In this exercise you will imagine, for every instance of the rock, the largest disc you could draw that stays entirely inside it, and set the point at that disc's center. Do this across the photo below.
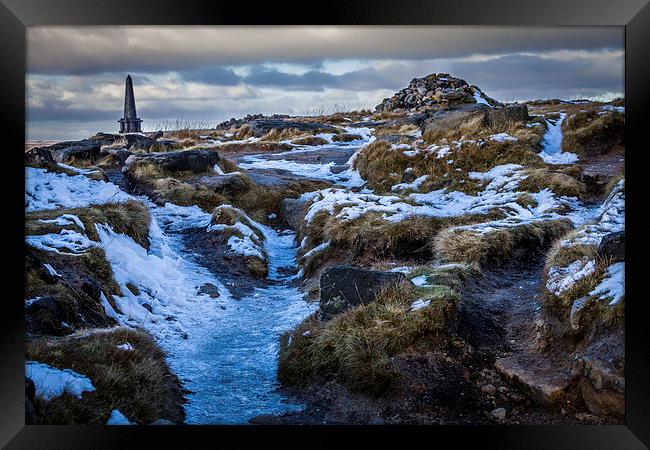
(263, 125)
(148, 307)
(139, 142)
(39, 156)
(154, 134)
(228, 184)
(44, 316)
(544, 385)
(120, 155)
(595, 182)
(488, 389)
(509, 113)
(612, 247)
(343, 287)
(30, 389)
(91, 287)
(265, 419)
(602, 401)
(453, 118)
(293, 211)
(162, 422)
(432, 92)
(31, 416)
(499, 413)
(210, 289)
(195, 161)
(586, 417)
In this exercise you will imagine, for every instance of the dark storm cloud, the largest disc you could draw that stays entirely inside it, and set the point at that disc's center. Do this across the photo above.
(84, 50)
(211, 75)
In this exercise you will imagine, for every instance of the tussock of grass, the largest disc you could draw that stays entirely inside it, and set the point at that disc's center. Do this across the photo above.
(131, 218)
(184, 194)
(184, 134)
(384, 167)
(558, 182)
(500, 246)
(136, 382)
(588, 133)
(243, 132)
(276, 135)
(309, 140)
(227, 166)
(357, 345)
(371, 237)
(346, 137)
(400, 129)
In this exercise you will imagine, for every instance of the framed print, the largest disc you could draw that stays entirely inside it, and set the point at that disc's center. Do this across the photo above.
(390, 218)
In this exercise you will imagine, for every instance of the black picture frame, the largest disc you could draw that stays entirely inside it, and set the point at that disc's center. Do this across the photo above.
(634, 15)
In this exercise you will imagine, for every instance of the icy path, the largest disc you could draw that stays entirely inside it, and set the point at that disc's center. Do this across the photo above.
(223, 350)
(552, 144)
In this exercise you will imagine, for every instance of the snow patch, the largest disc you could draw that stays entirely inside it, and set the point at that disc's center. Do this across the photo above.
(51, 382)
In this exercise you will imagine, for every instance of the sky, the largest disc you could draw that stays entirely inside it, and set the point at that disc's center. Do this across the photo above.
(200, 76)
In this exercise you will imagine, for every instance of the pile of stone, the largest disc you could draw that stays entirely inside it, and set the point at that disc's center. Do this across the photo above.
(432, 92)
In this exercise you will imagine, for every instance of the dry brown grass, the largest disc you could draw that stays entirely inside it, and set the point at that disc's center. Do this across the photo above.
(588, 133)
(309, 140)
(136, 382)
(555, 180)
(357, 346)
(400, 129)
(184, 194)
(384, 167)
(346, 137)
(370, 237)
(500, 246)
(131, 218)
(243, 132)
(285, 134)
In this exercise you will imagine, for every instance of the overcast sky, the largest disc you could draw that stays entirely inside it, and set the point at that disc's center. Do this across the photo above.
(75, 80)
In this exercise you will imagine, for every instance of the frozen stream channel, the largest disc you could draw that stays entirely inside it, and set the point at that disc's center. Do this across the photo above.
(224, 350)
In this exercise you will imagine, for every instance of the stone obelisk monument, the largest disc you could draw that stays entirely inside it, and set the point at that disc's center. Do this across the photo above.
(130, 122)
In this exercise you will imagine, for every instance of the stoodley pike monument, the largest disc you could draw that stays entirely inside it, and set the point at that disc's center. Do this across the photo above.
(130, 122)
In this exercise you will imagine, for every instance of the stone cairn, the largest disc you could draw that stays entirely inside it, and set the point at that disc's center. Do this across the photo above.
(433, 92)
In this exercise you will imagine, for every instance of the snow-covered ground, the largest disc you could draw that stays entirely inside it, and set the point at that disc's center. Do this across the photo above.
(51, 382)
(224, 350)
(552, 144)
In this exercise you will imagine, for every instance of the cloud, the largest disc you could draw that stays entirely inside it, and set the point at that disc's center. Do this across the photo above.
(84, 50)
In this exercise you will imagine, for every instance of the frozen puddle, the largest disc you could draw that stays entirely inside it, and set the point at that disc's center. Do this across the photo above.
(223, 350)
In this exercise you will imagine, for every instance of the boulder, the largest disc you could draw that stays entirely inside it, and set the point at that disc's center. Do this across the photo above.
(44, 316)
(228, 184)
(162, 422)
(612, 247)
(453, 118)
(293, 211)
(135, 142)
(31, 416)
(264, 125)
(39, 156)
(488, 116)
(343, 287)
(195, 161)
(508, 113)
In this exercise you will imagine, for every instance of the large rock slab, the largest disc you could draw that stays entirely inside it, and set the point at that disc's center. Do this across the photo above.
(263, 126)
(612, 247)
(453, 118)
(39, 156)
(228, 184)
(544, 385)
(195, 161)
(344, 287)
(293, 211)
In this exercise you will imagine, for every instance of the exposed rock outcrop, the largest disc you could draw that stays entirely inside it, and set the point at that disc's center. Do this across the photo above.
(195, 161)
(452, 118)
(612, 247)
(434, 91)
(344, 287)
